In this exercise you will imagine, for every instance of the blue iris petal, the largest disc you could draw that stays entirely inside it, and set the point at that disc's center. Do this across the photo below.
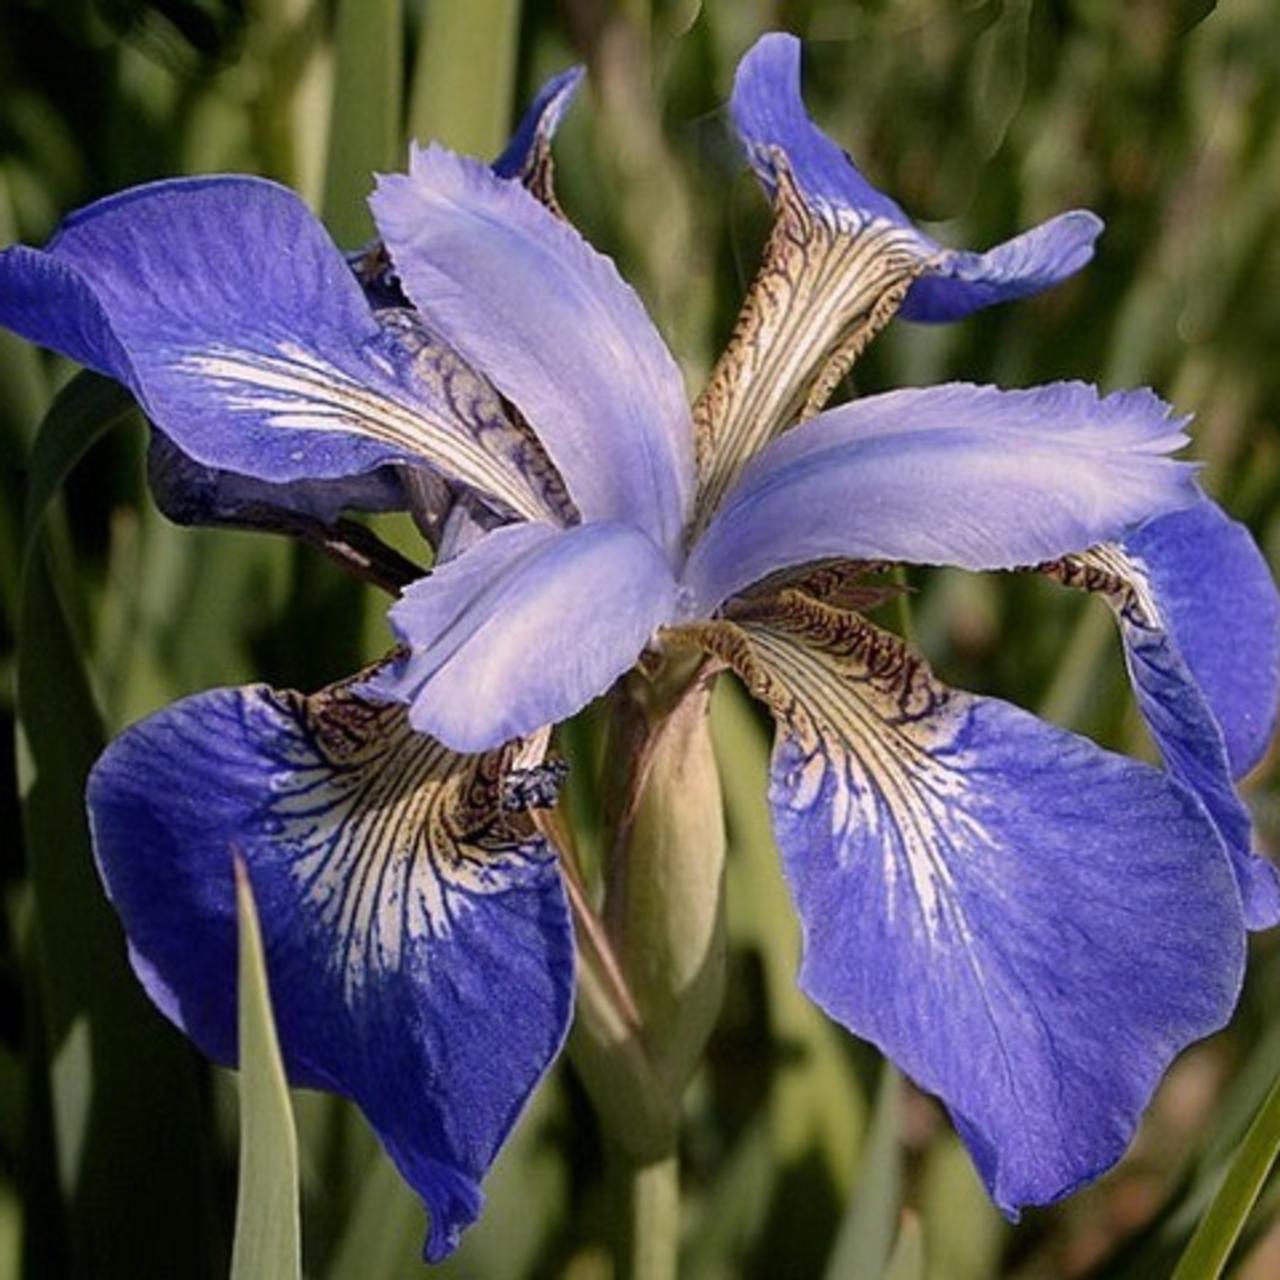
(1034, 944)
(539, 122)
(549, 321)
(189, 493)
(148, 284)
(1219, 603)
(524, 628)
(1202, 641)
(419, 953)
(956, 474)
(225, 307)
(770, 117)
(1030, 926)
(1191, 744)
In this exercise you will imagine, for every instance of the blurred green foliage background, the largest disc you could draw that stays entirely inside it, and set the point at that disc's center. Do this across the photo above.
(117, 1144)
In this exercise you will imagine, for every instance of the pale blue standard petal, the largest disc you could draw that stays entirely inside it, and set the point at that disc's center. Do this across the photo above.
(955, 474)
(1031, 927)
(524, 629)
(418, 948)
(227, 310)
(1218, 600)
(527, 158)
(770, 116)
(549, 321)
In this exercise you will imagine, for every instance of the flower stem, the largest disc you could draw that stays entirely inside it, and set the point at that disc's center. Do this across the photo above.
(647, 1204)
(905, 623)
(651, 965)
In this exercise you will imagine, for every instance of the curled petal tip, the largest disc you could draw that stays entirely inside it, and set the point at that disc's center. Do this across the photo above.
(539, 123)
(770, 116)
(961, 282)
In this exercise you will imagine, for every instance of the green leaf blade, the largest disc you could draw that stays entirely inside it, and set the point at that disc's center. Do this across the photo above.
(1214, 1239)
(268, 1237)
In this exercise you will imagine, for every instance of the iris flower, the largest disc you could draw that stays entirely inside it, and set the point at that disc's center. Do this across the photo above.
(1031, 926)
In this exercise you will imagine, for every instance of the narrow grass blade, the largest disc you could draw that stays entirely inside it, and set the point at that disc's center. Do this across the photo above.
(1211, 1245)
(866, 1236)
(83, 413)
(268, 1230)
(22, 402)
(365, 123)
(464, 75)
(963, 1231)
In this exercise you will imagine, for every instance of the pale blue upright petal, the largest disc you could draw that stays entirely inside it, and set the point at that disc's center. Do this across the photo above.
(770, 116)
(520, 160)
(418, 947)
(549, 321)
(224, 306)
(955, 475)
(524, 628)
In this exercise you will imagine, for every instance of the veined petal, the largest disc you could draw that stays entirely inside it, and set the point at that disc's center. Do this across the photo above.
(1030, 926)
(825, 287)
(524, 629)
(418, 945)
(955, 474)
(1205, 569)
(770, 116)
(843, 258)
(225, 307)
(548, 320)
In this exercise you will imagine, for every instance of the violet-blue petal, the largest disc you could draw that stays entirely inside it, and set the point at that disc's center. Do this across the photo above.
(1192, 746)
(524, 629)
(425, 973)
(519, 160)
(1031, 927)
(552, 325)
(224, 306)
(539, 123)
(771, 119)
(1214, 594)
(960, 282)
(192, 494)
(1218, 599)
(1036, 965)
(956, 474)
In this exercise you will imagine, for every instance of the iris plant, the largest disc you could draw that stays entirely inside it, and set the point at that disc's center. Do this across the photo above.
(1031, 926)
